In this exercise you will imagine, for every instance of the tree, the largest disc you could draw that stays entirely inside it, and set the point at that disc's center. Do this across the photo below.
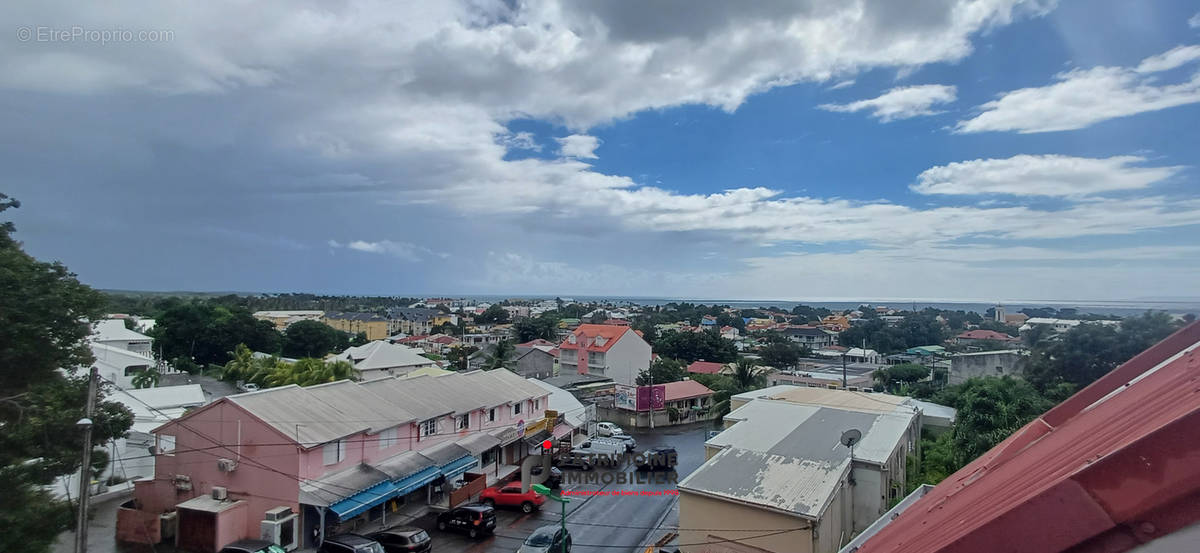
(206, 331)
(663, 370)
(780, 355)
(989, 410)
(309, 372)
(747, 376)
(146, 378)
(545, 328)
(647, 328)
(458, 356)
(1083, 354)
(693, 346)
(494, 314)
(501, 356)
(359, 339)
(41, 309)
(897, 378)
(313, 339)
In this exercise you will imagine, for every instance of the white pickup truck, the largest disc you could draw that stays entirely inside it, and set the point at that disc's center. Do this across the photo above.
(601, 452)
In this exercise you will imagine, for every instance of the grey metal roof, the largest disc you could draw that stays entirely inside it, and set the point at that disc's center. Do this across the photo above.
(335, 487)
(405, 464)
(299, 414)
(361, 405)
(352, 316)
(478, 442)
(399, 392)
(800, 487)
(445, 453)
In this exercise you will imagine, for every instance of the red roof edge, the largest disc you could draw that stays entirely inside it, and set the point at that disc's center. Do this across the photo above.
(1142, 362)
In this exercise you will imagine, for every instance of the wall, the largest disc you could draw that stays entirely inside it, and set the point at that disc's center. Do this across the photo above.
(998, 363)
(698, 511)
(868, 496)
(626, 358)
(536, 364)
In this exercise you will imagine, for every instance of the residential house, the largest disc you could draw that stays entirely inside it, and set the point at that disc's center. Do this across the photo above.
(730, 333)
(616, 352)
(986, 363)
(284, 319)
(327, 458)
(708, 322)
(811, 337)
(852, 355)
(687, 401)
(374, 326)
(705, 367)
(836, 323)
(780, 463)
(119, 365)
(671, 403)
(536, 359)
(1061, 325)
(112, 332)
(417, 320)
(981, 337)
(1108, 469)
(379, 358)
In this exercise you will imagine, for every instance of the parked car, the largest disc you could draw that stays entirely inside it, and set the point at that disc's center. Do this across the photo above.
(472, 519)
(512, 496)
(350, 543)
(547, 539)
(608, 429)
(604, 452)
(657, 458)
(555, 479)
(573, 460)
(623, 440)
(403, 539)
(252, 546)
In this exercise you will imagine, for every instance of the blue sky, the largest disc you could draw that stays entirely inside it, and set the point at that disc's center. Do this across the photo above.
(987, 150)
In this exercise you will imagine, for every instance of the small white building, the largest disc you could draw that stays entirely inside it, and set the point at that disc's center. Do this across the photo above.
(112, 332)
(379, 358)
(119, 365)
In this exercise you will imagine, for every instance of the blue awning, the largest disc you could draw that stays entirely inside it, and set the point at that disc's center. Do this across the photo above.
(455, 468)
(363, 500)
(409, 483)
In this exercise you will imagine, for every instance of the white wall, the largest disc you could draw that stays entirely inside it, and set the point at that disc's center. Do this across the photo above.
(626, 358)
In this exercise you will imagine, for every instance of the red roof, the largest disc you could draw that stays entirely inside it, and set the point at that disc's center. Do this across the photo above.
(1109, 468)
(985, 335)
(705, 367)
(586, 334)
(443, 339)
(410, 339)
(685, 389)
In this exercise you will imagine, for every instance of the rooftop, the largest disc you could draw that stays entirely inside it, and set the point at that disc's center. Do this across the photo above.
(685, 389)
(705, 367)
(114, 330)
(382, 355)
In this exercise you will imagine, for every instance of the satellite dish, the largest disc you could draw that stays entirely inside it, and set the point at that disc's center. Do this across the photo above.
(851, 437)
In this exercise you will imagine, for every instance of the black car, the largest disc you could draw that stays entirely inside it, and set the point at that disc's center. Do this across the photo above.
(581, 461)
(555, 479)
(403, 539)
(474, 520)
(251, 546)
(350, 543)
(547, 539)
(657, 458)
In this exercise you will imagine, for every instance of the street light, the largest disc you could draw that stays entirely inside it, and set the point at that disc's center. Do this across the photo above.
(543, 490)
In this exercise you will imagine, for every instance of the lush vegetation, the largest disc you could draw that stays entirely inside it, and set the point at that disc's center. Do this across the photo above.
(206, 332)
(533, 328)
(41, 331)
(153, 304)
(695, 346)
(269, 372)
(313, 339)
(661, 371)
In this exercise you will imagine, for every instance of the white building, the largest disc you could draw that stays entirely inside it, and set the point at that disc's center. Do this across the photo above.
(379, 358)
(112, 332)
(119, 365)
(616, 352)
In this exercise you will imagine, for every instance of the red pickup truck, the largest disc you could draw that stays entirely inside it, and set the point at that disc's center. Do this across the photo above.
(511, 496)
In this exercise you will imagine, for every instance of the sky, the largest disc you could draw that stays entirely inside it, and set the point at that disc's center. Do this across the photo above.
(949, 149)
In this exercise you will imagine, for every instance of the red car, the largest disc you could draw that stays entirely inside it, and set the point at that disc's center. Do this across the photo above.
(511, 496)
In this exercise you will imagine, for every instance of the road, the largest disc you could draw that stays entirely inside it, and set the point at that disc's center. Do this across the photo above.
(599, 523)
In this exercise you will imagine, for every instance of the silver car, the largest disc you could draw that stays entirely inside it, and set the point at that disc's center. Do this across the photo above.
(547, 539)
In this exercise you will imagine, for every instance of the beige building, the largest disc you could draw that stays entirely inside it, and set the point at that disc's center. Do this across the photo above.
(283, 319)
(780, 472)
(374, 326)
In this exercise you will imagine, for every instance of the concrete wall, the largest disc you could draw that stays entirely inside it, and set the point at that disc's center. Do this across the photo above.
(998, 363)
(627, 358)
(698, 511)
(536, 364)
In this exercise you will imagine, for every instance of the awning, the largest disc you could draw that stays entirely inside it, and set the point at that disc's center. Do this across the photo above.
(333, 488)
(407, 485)
(455, 468)
(563, 430)
(409, 470)
(364, 500)
(537, 438)
(445, 453)
(478, 442)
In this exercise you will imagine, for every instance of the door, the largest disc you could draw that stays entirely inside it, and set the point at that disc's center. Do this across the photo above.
(197, 531)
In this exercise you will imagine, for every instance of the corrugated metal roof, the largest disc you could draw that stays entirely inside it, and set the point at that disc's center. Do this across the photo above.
(796, 486)
(380, 355)
(842, 399)
(405, 464)
(812, 432)
(478, 442)
(114, 330)
(685, 389)
(1110, 467)
(335, 487)
(401, 393)
(445, 453)
(299, 414)
(361, 405)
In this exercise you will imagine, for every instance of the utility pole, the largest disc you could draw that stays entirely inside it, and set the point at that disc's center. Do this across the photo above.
(650, 371)
(844, 387)
(85, 472)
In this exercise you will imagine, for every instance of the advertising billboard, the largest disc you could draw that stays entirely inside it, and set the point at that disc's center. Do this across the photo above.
(625, 397)
(651, 397)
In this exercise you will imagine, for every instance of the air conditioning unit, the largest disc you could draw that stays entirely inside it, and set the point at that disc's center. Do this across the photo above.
(283, 530)
(219, 493)
(168, 525)
(182, 482)
(226, 465)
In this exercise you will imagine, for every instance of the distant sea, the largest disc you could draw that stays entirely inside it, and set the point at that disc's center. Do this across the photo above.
(1118, 308)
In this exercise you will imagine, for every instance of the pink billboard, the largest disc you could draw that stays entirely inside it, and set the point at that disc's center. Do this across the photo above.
(651, 397)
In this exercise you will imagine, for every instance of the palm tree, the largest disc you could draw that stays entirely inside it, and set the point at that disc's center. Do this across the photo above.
(241, 365)
(500, 357)
(747, 376)
(146, 378)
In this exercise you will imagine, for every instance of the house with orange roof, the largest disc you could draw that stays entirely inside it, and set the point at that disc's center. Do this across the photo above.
(616, 352)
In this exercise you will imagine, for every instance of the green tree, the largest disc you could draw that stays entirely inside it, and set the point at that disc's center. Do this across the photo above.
(309, 372)
(989, 410)
(206, 331)
(747, 376)
(647, 328)
(529, 329)
(359, 339)
(501, 356)
(781, 355)
(313, 339)
(41, 309)
(146, 378)
(694, 346)
(663, 370)
(458, 356)
(494, 314)
(1083, 354)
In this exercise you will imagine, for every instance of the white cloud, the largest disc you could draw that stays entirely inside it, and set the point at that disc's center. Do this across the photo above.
(901, 103)
(520, 141)
(1194, 21)
(403, 250)
(579, 146)
(1044, 175)
(1175, 57)
(842, 84)
(1083, 97)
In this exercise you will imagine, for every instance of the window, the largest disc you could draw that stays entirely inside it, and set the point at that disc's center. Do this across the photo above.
(462, 422)
(134, 369)
(166, 444)
(492, 414)
(388, 438)
(537, 404)
(517, 408)
(334, 452)
(429, 428)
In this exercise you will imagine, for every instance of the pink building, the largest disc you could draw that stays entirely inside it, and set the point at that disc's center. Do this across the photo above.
(293, 462)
